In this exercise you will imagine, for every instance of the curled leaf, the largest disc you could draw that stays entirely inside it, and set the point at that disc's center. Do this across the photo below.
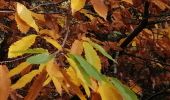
(4, 83)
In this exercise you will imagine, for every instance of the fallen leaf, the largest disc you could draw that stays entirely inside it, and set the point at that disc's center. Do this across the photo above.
(100, 7)
(5, 83)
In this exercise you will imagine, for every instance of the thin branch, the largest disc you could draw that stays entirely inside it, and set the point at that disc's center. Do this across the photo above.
(138, 29)
(145, 59)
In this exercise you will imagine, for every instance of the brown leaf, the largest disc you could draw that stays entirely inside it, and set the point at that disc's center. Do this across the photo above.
(36, 87)
(100, 8)
(160, 4)
(4, 83)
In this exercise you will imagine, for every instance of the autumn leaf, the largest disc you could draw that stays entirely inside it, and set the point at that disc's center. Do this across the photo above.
(108, 92)
(100, 8)
(25, 79)
(79, 76)
(5, 83)
(100, 49)
(160, 4)
(128, 1)
(33, 51)
(22, 26)
(55, 74)
(21, 45)
(77, 47)
(91, 56)
(47, 81)
(36, 86)
(76, 5)
(50, 33)
(26, 16)
(73, 75)
(38, 16)
(88, 68)
(53, 42)
(18, 69)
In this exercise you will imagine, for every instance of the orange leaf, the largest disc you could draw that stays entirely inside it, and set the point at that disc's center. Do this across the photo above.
(77, 47)
(22, 26)
(4, 83)
(160, 4)
(36, 87)
(100, 8)
(128, 1)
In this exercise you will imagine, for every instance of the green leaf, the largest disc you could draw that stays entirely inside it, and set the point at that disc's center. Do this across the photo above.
(40, 58)
(127, 93)
(91, 70)
(33, 51)
(73, 62)
(91, 56)
(101, 50)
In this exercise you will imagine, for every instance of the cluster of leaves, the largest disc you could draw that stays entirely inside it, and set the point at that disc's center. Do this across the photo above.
(85, 72)
(73, 63)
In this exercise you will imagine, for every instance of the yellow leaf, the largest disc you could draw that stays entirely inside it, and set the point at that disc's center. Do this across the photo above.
(77, 47)
(4, 83)
(26, 16)
(47, 81)
(57, 85)
(79, 76)
(50, 33)
(25, 79)
(76, 5)
(55, 74)
(41, 67)
(91, 56)
(100, 8)
(72, 73)
(18, 69)
(21, 45)
(22, 26)
(53, 42)
(108, 92)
